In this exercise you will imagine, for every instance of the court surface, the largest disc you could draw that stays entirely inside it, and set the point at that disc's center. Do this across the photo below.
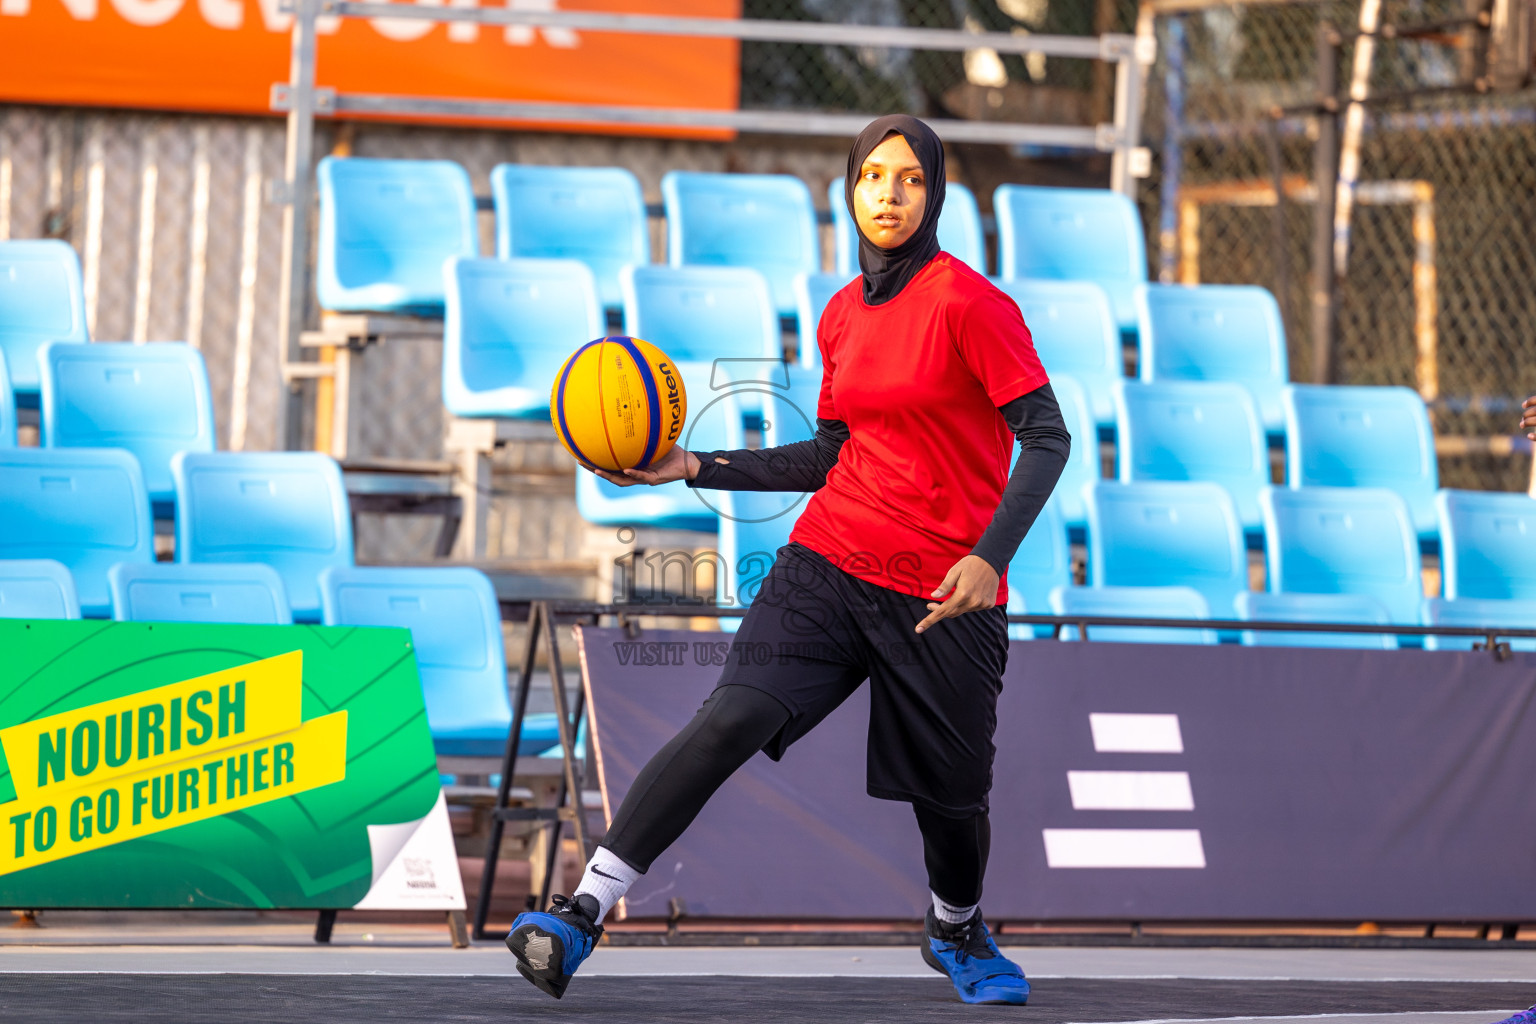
(109, 974)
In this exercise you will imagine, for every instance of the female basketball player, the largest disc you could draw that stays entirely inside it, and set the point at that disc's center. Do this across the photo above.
(891, 574)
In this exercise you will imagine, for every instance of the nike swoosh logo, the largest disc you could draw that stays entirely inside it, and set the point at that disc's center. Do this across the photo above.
(600, 871)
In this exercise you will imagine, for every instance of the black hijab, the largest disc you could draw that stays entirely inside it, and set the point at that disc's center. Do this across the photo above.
(887, 271)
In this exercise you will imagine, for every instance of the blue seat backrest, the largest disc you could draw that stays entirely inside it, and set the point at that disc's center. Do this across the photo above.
(1194, 430)
(509, 327)
(1072, 234)
(763, 221)
(1138, 603)
(84, 507)
(386, 226)
(1487, 544)
(151, 399)
(592, 214)
(1074, 331)
(789, 414)
(42, 299)
(7, 408)
(1084, 466)
(288, 510)
(1158, 534)
(455, 625)
(1215, 332)
(37, 588)
(1351, 609)
(1042, 563)
(699, 314)
(960, 232)
(247, 593)
(1363, 437)
(812, 293)
(1479, 613)
(1343, 540)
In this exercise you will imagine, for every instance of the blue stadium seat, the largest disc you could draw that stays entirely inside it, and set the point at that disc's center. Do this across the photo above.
(1487, 545)
(1075, 333)
(1084, 467)
(1042, 563)
(812, 293)
(7, 408)
(1072, 234)
(37, 588)
(244, 593)
(1162, 534)
(592, 214)
(789, 413)
(1476, 613)
(1134, 602)
(152, 399)
(1363, 437)
(1351, 609)
(672, 505)
(1194, 430)
(42, 299)
(386, 226)
(1343, 540)
(1216, 332)
(762, 221)
(455, 624)
(753, 526)
(702, 313)
(960, 232)
(284, 509)
(509, 327)
(84, 507)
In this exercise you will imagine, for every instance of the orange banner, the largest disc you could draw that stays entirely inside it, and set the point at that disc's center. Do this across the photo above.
(224, 56)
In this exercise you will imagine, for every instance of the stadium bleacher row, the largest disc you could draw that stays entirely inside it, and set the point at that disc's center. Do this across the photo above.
(127, 438)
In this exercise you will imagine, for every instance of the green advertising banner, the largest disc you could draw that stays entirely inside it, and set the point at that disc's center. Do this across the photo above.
(164, 765)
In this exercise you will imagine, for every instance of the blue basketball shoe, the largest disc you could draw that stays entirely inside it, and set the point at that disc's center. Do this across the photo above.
(967, 954)
(550, 946)
(1523, 1017)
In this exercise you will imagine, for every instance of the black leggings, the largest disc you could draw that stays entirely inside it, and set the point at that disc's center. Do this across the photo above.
(735, 723)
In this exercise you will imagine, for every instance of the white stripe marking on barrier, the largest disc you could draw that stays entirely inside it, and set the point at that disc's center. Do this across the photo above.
(1123, 848)
(1130, 791)
(1136, 734)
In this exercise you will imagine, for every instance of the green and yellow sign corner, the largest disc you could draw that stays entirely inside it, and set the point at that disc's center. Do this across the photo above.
(161, 765)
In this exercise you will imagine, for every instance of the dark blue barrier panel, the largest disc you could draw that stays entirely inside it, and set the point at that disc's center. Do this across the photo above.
(1132, 782)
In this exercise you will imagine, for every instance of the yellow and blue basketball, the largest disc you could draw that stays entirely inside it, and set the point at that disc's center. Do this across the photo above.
(618, 403)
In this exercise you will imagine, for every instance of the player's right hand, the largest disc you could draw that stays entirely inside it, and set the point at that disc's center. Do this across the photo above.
(1529, 419)
(677, 464)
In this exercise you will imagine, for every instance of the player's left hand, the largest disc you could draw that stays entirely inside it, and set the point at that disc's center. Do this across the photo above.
(971, 585)
(1529, 419)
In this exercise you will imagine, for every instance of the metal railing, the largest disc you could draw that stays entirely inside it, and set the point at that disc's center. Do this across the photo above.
(1491, 636)
(302, 100)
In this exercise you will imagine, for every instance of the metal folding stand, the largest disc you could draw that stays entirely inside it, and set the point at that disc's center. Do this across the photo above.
(540, 620)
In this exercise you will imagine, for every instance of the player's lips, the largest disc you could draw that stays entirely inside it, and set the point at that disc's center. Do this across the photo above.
(888, 220)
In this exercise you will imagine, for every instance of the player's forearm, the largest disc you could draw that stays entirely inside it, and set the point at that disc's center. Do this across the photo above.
(801, 466)
(1045, 444)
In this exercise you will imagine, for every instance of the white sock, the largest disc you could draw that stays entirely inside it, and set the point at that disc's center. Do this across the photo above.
(607, 880)
(949, 913)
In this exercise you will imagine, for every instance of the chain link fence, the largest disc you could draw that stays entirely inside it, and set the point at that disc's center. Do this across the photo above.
(1436, 293)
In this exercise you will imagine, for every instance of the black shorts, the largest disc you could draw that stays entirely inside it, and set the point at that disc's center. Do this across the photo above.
(814, 633)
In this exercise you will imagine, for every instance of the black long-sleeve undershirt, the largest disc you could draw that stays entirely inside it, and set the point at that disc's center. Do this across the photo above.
(1034, 418)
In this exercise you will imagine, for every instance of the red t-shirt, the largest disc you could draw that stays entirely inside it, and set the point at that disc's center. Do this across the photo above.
(918, 380)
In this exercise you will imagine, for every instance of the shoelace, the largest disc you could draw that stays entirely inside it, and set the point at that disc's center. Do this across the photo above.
(566, 905)
(971, 942)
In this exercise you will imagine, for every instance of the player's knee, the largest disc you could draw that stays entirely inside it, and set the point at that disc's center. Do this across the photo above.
(741, 719)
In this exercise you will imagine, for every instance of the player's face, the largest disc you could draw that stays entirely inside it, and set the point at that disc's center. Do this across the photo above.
(891, 193)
